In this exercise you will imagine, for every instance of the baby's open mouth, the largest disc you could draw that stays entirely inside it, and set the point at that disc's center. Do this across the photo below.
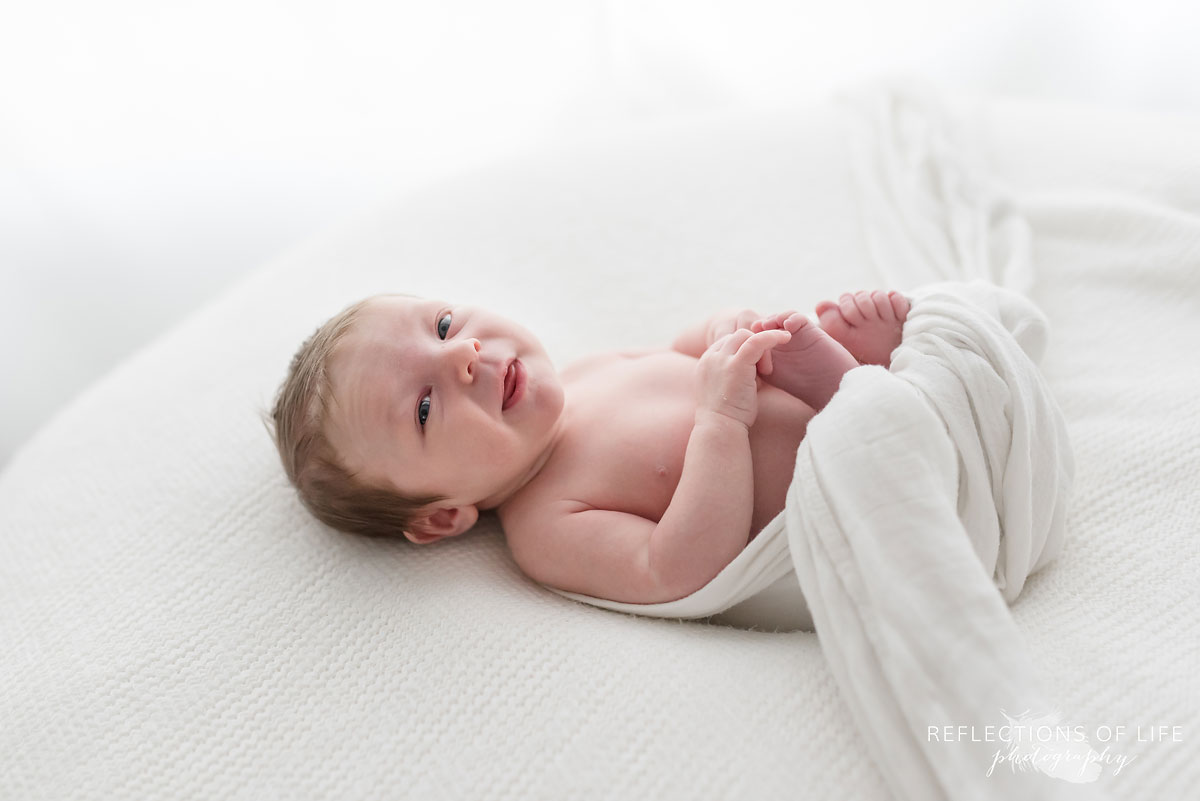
(514, 383)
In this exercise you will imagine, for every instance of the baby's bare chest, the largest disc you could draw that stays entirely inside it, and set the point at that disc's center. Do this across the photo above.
(628, 430)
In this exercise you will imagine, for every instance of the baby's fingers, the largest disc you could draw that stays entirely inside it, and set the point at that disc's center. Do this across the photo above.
(757, 344)
(769, 323)
(731, 342)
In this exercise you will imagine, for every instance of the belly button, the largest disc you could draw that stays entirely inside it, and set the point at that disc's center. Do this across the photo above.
(662, 471)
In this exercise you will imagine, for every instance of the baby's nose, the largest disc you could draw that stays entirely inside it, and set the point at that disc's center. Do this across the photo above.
(465, 355)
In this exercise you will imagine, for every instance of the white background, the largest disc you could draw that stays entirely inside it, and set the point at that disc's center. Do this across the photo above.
(152, 152)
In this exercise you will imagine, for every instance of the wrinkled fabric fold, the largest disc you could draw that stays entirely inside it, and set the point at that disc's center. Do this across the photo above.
(923, 498)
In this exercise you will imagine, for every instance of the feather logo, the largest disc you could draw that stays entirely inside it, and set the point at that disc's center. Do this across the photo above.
(1042, 743)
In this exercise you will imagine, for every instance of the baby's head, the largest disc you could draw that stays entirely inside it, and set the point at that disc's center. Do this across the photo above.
(408, 415)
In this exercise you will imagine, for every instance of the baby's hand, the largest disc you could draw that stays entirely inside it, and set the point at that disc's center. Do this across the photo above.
(731, 320)
(787, 321)
(727, 373)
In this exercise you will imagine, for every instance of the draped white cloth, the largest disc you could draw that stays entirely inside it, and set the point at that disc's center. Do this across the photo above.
(918, 494)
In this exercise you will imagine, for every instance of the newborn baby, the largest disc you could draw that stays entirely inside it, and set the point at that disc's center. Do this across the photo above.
(634, 477)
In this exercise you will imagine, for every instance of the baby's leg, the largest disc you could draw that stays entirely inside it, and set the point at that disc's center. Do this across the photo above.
(868, 324)
(810, 365)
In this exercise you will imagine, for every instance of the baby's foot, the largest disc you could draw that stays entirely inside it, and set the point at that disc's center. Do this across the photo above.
(810, 365)
(868, 324)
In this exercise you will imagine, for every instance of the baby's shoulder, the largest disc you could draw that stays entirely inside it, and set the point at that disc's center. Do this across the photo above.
(530, 514)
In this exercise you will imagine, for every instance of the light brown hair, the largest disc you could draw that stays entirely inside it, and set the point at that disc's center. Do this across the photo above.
(335, 495)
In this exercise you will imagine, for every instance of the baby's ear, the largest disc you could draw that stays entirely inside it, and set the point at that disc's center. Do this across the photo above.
(437, 524)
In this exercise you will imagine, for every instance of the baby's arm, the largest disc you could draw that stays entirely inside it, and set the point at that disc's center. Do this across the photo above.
(707, 522)
(628, 558)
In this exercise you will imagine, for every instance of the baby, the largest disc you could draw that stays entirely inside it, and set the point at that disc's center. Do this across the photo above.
(634, 477)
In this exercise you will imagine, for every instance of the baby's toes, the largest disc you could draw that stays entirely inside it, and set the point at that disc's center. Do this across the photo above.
(883, 306)
(865, 305)
(795, 321)
(829, 315)
(825, 306)
(849, 309)
(858, 308)
(771, 323)
(900, 305)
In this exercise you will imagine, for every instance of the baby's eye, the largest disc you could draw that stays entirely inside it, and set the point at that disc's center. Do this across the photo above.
(443, 326)
(423, 410)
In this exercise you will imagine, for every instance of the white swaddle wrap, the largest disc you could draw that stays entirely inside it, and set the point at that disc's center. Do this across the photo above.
(917, 495)
(923, 497)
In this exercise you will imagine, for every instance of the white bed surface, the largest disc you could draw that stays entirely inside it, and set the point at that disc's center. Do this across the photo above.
(179, 627)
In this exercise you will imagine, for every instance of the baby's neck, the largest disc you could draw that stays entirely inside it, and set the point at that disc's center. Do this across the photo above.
(511, 488)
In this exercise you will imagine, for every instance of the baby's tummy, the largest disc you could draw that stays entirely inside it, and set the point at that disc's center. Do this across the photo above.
(633, 459)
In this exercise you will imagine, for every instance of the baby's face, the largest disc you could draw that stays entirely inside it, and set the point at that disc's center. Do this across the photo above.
(441, 399)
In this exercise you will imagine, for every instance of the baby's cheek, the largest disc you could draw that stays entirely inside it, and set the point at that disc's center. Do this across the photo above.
(497, 449)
